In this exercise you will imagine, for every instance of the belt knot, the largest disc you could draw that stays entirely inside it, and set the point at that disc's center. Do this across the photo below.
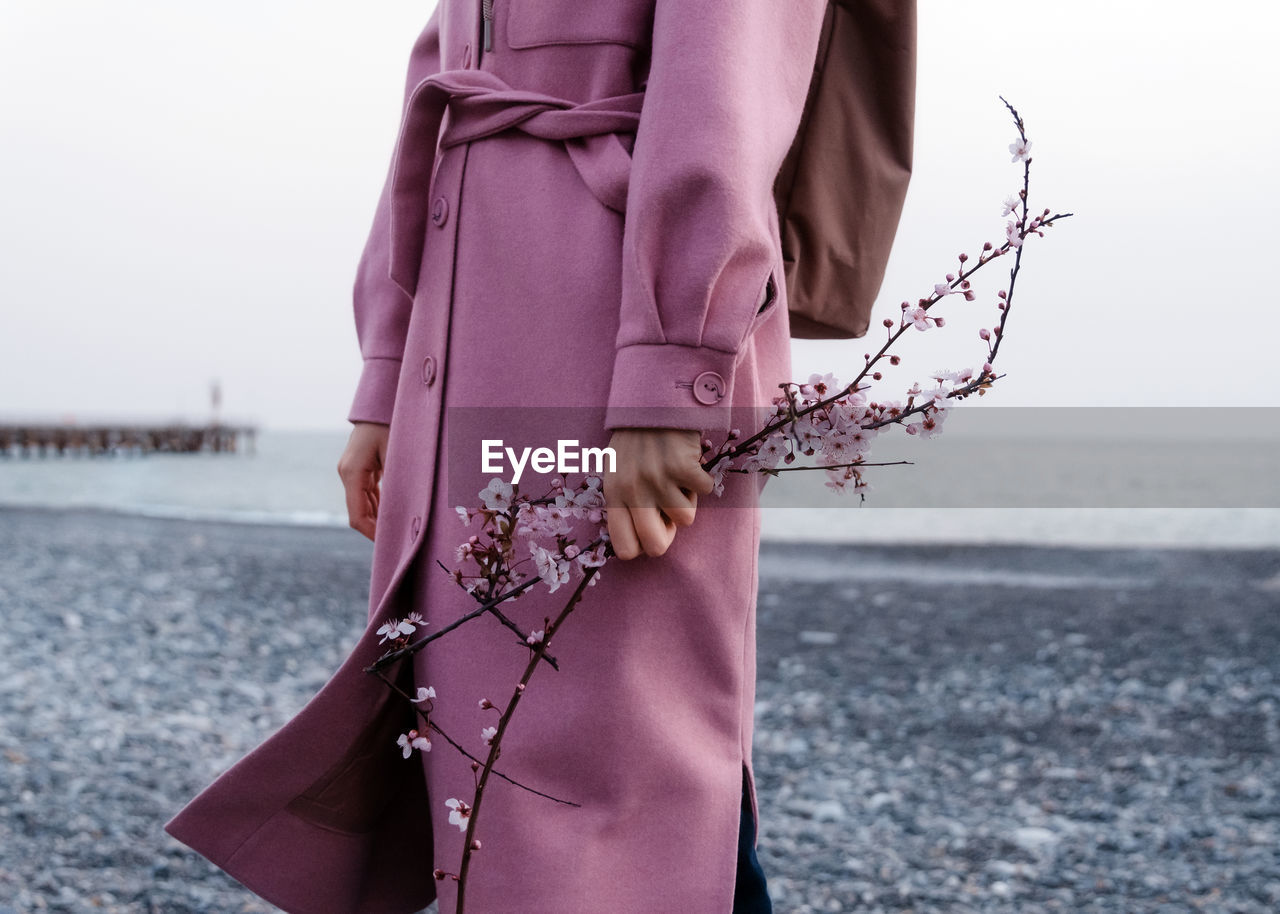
(481, 104)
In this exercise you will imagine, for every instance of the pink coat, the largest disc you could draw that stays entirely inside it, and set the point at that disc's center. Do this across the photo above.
(577, 234)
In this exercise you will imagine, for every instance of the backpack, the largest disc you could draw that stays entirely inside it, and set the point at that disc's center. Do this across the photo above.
(842, 185)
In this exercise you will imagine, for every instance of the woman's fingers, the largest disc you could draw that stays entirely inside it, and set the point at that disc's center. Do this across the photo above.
(360, 469)
(362, 509)
(653, 529)
(680, 506)
(693, 477)
(622, 533)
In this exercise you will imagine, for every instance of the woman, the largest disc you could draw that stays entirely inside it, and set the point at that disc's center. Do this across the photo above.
(577, 241)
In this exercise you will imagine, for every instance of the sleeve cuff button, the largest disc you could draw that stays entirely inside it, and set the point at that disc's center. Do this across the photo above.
(708, 388)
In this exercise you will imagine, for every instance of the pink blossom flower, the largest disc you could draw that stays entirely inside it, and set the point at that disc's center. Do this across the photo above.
(918, 317)
(497, 495)
(819, 386)
(771, 450)
(413, 740)
(488, 733)
(460, 813)
(1021, 150)
(1011, 232)
(592, 558)
(553, 570)
(425, 693)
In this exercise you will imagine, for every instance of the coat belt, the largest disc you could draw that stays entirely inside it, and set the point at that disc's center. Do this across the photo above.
(481, 104)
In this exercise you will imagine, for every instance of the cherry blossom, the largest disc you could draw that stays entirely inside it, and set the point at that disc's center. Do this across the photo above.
(395, 628)
(497, 495)
(819, 386)
(536, 637)
(553, 570)
(918, 317)
(488, 733)
(1010, 204)
(592, 558)
(425, 693)
(464, 515)
(1021, 150)
(460, 813)
(413, 740)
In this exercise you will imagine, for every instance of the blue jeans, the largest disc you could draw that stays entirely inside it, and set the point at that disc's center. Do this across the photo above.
(751, 892)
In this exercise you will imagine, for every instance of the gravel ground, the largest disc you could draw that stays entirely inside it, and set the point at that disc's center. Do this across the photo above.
(967, 729)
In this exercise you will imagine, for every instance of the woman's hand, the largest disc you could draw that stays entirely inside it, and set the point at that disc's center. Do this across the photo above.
(654, 489)
(360, 467)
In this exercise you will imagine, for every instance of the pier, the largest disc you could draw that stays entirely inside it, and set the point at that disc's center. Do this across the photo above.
(105, 439)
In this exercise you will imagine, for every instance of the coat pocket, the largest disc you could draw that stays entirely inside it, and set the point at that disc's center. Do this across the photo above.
(766, 305)
(533, 23)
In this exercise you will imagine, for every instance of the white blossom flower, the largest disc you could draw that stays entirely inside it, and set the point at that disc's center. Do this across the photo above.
(488, 733)
(460, 813)
(1010, 204)
(535, 637)
(1011, 232)
(592, 558)
(395, 628)
(464, 515)
(413, 740)
(425, 693)
(1021, 150)
(497, 495)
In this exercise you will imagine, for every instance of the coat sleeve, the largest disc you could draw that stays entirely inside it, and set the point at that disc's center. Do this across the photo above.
(726, 89)
(381, 307)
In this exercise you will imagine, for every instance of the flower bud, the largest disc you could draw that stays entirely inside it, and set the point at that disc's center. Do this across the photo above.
(888, 322)
(485, 703)
(439, 873)
(475, 844)
(963, 256)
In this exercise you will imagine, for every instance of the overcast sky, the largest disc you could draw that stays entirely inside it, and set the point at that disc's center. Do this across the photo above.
(185, 189)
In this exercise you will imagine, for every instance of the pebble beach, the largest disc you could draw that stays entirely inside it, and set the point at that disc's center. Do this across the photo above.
(994, 728)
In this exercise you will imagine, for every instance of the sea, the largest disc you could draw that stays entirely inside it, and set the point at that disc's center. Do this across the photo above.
(974, 489)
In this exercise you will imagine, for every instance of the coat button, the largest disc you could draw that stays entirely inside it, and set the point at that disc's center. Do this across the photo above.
(708, 388)
(428, 371)
(415, 528)
(439, 210)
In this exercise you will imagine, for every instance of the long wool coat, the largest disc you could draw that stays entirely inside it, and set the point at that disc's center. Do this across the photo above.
(577, 234)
